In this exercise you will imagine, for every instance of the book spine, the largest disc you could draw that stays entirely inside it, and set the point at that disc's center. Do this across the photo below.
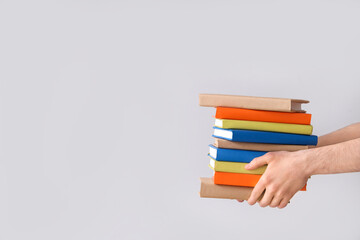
(236, 167)
(267, 126)
(210, 190)
(269, 104)
(262, 116)
(273, 138)
(238, 179)
(222, 143)
(232, 155)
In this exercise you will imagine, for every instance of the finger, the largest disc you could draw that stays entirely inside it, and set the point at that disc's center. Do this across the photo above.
(266, 200)
(258, 162)
(287, 199)
(256, 193)
(284, 202)
(275, 201)
(240, 200)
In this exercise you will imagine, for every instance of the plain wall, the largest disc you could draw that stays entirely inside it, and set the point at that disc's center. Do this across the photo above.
(101, 134)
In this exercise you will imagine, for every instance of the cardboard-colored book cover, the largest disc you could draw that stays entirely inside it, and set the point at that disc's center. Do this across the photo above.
(264, 126)
(222, 143)
(262, 116)
(210, 190)
(248, 102)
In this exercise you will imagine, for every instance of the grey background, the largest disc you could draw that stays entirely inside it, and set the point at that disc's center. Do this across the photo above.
(101, 133)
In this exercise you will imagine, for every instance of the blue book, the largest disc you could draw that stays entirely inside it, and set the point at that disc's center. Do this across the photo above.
(233, 155)
(238, 135)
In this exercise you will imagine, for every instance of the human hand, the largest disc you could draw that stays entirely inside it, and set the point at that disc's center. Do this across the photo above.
(286, 173)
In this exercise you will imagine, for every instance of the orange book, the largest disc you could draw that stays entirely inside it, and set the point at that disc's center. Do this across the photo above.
(238, 179)
(262, 116)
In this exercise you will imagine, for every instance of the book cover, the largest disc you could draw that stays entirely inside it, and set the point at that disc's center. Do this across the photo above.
(234, 167)
(233, 155)
(264, 126)
(238, 179)
(222, 143)
(210, 190)
(262, 116)
(257, 103)
(264, 137)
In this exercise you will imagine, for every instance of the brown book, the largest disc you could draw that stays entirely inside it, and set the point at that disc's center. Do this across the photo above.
(222, 143)
(257, 103)
(210, 190)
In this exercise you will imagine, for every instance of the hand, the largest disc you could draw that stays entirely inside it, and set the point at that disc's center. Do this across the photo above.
(286, 173)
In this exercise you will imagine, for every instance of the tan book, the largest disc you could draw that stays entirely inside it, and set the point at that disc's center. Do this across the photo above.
(247, 102)
(222, 143)
(210, 190)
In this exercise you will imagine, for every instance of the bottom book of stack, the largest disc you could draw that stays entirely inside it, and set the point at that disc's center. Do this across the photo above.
(210, 190)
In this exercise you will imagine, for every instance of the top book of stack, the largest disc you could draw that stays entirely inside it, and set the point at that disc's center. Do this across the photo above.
(256, 103)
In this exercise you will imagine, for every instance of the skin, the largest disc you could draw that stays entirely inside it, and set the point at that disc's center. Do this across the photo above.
(288, 172)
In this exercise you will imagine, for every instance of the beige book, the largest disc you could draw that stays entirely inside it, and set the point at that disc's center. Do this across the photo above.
(222, 143)
(210, 190)
(247, 102)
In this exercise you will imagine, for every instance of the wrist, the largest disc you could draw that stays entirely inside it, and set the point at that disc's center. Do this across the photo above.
(312, 160)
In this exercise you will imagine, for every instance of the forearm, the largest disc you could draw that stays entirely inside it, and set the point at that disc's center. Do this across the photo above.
(344, 134)
(338, 158)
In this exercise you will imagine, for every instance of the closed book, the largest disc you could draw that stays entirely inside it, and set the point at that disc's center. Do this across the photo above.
(262, 116)
(233, 155)
(264, 126)
(238, 135)
(235, 167)
(238, 179)
(222, 143)
(257, 103)
(210, 190)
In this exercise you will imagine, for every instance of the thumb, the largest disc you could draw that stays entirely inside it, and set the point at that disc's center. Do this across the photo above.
(257, 162)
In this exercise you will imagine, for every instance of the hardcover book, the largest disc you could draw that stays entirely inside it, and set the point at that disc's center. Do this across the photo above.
(210, 190)
(238, 179)
(222, 143)
(264, 126)
(233, 155)
(257, 103)
(262, 116)
(234, 167)
(264, 137)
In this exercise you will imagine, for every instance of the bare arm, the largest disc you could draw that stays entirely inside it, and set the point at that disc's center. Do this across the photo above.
(344, 134)
(338, 158)
(288, 172)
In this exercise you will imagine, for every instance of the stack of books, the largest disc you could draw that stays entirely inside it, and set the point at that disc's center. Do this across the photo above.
(246, 128)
